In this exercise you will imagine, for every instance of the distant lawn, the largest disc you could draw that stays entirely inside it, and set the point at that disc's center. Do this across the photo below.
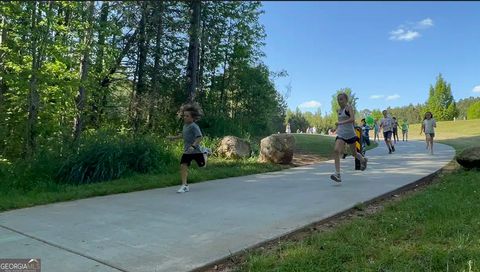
(459, 134)
(435, 229)
(317, 144)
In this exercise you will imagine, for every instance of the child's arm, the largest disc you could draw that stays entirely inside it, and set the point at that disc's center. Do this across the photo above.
(197, 141)
(176, 137)
(422, 128)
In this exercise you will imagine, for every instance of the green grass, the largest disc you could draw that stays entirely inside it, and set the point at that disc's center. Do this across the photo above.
(436, 229)
(39, 189)
(459, 134)
(19, 194)
(320, 145)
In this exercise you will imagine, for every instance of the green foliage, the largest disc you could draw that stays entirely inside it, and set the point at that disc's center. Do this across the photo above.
(474, 111)
(297, 121)
(464, 104)
(440, 101)
(110, 158)
(352, 100)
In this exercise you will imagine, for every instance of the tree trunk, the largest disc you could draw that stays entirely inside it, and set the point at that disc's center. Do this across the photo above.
(156, 76)
(140, 89)
(193, 50)
(80, 99)
(97, 96)
(33, 95)
(3, 38)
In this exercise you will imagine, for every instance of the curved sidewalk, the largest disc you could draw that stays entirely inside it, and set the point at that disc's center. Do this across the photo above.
(159, 230)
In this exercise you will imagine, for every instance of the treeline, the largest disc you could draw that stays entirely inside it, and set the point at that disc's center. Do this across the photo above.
(70, 69)
(440, 102)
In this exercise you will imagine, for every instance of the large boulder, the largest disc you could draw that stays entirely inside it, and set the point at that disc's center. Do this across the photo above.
(277, 148)
(232, 147)
(469, 158)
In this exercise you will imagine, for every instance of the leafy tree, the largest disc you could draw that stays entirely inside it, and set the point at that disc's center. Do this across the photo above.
(464, 104)
(440, 101)
(474, 111)
(352, 100)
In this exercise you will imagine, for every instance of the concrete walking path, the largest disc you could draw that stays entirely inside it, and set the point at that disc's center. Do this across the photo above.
(160, 230)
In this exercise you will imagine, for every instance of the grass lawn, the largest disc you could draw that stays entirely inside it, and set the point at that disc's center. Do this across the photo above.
(18, 194)
(38, 190)
(320, 145)
(435, 229)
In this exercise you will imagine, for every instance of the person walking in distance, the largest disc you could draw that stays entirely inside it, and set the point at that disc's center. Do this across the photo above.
(428, 127)
(386, 124)
(375, 131)
(405, 130)
(345, 135)
(395, 130)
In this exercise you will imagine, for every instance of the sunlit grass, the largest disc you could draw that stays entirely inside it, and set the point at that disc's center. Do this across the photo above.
(437, 229)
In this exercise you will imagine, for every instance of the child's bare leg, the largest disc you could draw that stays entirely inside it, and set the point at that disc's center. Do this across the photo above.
(184, 173)
(338, 151)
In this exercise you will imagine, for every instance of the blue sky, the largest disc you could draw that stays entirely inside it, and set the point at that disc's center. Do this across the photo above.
(388, 53)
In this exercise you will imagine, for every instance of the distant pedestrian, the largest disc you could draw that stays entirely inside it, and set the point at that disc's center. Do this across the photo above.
(376, 128)
(405, 127)
(345, 134)
(287, 129)
(386, 124)
(395, 130)
(365, 135)
(428, 127)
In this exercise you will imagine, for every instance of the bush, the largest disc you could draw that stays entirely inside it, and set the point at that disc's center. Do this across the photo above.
(107, 158)
(474, 111)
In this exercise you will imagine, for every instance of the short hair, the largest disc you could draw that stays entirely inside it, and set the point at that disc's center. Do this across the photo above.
(363, 120)
(194, 109)
(344, 94)
(425, 116)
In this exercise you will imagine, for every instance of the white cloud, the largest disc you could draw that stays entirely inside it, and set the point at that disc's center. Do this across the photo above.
(310, 104)
(392, 97)
(377, 96)
(409, 31)
(425, 23)
(476, 89)
(404, 35)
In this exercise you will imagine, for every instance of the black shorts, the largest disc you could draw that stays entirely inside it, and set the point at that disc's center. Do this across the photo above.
(348, 141)
(432, 135)
(198, 157)
(387, 135)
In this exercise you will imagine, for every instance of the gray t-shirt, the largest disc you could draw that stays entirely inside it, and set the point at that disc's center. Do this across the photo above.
(387, 124)
(429, 125)
(191, 132)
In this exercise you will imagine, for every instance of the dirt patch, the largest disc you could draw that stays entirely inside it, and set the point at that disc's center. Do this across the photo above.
(236, 260)
(302, 159)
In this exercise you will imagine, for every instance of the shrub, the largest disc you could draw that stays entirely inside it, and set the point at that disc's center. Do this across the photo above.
(101, 159)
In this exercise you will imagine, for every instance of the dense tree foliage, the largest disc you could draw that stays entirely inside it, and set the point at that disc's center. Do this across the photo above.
(69, 69)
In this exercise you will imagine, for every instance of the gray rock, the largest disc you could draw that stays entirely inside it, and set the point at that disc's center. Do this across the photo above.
(469, 158)
(232, 147)
(277, 148)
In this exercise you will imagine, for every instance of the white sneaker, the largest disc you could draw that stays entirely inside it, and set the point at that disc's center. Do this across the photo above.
(183, 189)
